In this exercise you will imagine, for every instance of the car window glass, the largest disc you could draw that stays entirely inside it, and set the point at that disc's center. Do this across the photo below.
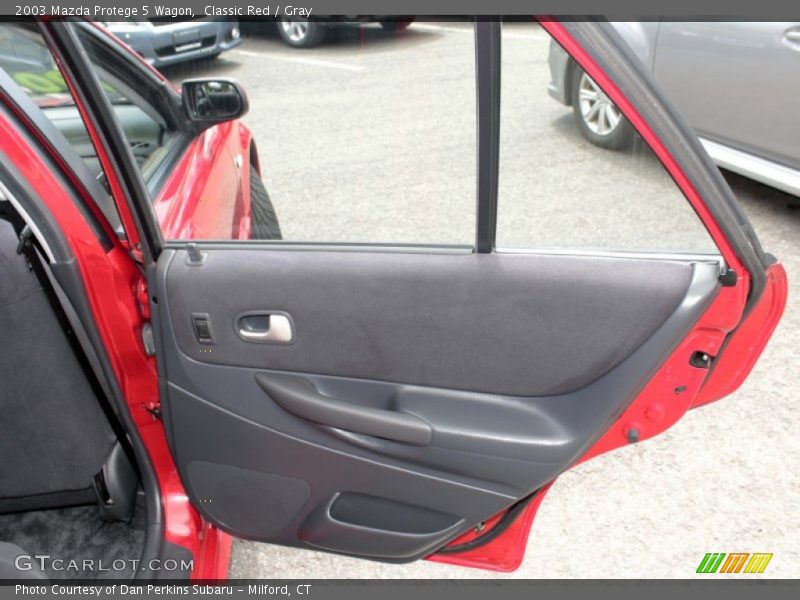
(141, 121)
(27, 60)
(573, 173)
(369, 137)
(24, 55)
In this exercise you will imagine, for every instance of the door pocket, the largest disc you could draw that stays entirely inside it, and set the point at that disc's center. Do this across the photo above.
(372, 526)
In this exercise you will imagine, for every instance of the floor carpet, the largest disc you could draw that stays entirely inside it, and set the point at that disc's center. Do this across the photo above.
(79, 534)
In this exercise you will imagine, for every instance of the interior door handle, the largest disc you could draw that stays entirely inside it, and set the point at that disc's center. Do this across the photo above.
(299, 397)
(270, 327)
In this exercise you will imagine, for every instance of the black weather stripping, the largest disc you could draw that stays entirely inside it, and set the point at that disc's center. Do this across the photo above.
(487, 67)
(504, 523)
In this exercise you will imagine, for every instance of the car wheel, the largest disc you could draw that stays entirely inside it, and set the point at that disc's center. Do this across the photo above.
(263, 220)
(600, 121)
(301, 34)
(396, 26)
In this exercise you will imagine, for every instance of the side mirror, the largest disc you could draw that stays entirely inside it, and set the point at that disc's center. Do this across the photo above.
(214, 100)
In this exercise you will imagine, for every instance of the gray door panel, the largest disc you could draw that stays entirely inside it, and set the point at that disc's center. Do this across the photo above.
(481, 323)
(728, 77)
(305, 477)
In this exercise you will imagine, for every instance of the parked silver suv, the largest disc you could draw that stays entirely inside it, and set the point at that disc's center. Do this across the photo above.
(736, 83)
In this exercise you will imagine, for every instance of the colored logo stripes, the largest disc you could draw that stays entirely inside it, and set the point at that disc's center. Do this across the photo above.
(736, 562)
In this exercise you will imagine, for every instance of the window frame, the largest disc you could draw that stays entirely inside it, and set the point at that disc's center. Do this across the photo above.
(488, 73)
(143, 235)
(159, 95)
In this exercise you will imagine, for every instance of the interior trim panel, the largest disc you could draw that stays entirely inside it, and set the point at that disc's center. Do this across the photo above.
(320, 460)
(476, 323)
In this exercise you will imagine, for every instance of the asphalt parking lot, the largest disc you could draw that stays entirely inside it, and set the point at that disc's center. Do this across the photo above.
(371, 137)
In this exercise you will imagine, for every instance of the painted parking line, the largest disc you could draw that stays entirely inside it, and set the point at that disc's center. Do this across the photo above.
(313, 62)
(507, 35)
(432, 27)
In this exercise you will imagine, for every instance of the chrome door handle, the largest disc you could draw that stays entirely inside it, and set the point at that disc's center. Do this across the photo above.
(265, 326)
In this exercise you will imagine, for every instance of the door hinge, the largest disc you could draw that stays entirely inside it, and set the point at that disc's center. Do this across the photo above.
(148, 339)
(135, 252)
(143, 298)
(154, 408)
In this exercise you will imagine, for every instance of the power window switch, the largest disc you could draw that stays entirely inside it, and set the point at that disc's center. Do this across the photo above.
(201, 323)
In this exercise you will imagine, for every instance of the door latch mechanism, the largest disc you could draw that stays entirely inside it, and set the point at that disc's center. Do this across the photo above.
(701, 360)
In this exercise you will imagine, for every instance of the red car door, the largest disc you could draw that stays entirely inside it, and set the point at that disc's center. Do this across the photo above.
(398, 403)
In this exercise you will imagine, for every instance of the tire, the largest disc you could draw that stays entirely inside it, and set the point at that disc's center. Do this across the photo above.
(263, 220)
(599, 120)
(396, 26)
(301, 34)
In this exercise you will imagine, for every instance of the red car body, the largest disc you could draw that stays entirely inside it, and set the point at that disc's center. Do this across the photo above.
(209, 181)
(207, 194)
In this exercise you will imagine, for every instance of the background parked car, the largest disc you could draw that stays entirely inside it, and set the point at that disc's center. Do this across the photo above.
(168, 42)
(715, 72)
(307, 33)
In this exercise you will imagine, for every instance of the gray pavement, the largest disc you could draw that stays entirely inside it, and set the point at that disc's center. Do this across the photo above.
(371, 137)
